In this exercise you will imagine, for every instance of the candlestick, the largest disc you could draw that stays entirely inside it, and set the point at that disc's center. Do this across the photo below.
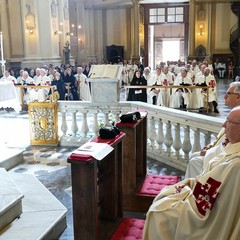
(1, 41)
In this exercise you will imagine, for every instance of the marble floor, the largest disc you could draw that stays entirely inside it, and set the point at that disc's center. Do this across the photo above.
(49, 164)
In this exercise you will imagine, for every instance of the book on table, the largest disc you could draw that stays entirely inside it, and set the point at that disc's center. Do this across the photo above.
(96, 150)
(105, 71)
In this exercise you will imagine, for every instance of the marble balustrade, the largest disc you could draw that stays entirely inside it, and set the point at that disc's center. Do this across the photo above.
(172, 134)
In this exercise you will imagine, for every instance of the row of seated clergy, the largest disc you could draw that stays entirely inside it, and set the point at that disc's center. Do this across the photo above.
(199, 159)
(40, 94)
(204, 207)
(164, 78)
(183, 97)
(31, 94)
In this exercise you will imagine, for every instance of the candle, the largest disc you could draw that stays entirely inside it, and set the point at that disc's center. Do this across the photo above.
(1, 42)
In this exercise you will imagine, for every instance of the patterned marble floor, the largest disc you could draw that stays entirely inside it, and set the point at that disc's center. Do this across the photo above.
(49, 164)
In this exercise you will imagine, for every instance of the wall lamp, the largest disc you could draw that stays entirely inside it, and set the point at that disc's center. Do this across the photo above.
(69, 34)
(57, 32)
(30, 20)
(201, 30)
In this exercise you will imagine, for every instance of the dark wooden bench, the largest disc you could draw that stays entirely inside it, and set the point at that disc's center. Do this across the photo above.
(139, 188)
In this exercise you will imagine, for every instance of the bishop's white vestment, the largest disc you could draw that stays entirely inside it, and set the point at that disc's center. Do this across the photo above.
(208, 207)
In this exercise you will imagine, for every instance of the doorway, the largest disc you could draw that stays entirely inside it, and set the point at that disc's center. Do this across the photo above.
(166, 28)
(173, 55)
(165, 43)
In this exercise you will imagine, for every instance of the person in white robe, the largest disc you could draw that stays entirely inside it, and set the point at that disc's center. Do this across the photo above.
(221, 66)
(19, 78)
(195, 164)
(166, 79)
(8, 77)
(207, 80)
(155, 80)
(205, 207)
(190, 72)
(24, 80)
(124, 75)
(198, 80)
(83, 85)
(150, 81)
(194, 68)
(181, 97)
(40, 94)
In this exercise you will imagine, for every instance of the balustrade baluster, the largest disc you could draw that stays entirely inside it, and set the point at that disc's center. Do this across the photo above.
(160, 135)
(74, 126)
(168, 138)
(196, 144)
(177, 140)
(186, 146)
(95, 127)
(64, 126)
(151, 132)
(84, 128)
(116, 116)
(207, 137)
(106, 117)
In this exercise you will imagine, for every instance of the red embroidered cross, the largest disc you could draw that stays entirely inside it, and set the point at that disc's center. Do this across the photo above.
(206, 195)
(165, 82)
(212, 83)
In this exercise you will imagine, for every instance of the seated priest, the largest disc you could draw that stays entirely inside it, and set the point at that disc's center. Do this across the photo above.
(207, 80)
(195, 164)
(181, 97)
(205, 207)
(24, 80)
(40, 94)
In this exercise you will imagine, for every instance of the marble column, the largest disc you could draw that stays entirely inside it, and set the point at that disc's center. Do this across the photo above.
(209, 32)
(81, 32)
(192, 29)
(136, 40)
(90, 36)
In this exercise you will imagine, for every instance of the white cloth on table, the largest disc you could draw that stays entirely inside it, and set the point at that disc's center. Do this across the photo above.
(7, 90)
(8, 96)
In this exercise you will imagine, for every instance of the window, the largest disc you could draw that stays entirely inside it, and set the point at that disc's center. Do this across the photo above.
(167, 14)
(157, 15)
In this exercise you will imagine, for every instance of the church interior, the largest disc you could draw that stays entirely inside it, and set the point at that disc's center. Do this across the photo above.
(51, 191)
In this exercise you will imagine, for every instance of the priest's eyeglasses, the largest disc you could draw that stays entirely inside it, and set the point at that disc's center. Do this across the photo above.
(232, 93)
(229, 121)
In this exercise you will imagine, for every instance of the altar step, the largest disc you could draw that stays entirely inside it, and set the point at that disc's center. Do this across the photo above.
(10, 199)
(43, 216)
(10, 157)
